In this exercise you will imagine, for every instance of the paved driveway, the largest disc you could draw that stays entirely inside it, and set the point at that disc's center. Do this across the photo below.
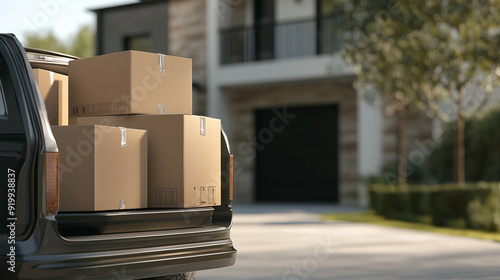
(289, 242)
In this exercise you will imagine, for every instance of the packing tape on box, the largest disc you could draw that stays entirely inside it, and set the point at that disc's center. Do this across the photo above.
(123, 137)
(203, 126)
(162, 62)
(51, 77)
(162, 109)
(122, 203)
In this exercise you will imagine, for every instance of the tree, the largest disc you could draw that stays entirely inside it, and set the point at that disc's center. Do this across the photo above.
(431, 52)
(81, 45)
(368, 47)
(482, 152)
(46, 42)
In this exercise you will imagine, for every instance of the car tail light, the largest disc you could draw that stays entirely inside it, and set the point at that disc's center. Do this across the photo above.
(52, 183)
(231, 171)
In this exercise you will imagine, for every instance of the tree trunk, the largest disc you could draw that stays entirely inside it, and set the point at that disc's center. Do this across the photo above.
(460, 143)
(402, 169)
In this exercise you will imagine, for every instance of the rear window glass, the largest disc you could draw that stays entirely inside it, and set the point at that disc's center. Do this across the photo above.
(2, 97)
(2, 102)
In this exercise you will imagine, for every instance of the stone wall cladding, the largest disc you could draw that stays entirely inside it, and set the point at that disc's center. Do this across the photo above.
(187, 38)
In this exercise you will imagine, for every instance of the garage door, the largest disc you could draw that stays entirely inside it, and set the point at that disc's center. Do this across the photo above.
(297, 154)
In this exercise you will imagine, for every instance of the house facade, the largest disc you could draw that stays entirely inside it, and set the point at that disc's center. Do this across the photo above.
(271, 70)
(174, 27)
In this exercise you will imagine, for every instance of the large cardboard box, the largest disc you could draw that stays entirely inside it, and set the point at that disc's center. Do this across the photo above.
(101, 168)
(130, 82)
(184, 157)
(54, 90)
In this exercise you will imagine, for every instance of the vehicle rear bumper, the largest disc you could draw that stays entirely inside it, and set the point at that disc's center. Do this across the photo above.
(129, 264)
(128, 256)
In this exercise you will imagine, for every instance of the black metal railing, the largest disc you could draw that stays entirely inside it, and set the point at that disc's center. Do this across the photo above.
(280, 41)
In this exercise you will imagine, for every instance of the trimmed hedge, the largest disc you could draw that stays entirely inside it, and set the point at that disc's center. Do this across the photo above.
(474, 206)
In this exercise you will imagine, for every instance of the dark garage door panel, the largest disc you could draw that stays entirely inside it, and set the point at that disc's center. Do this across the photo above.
(300, 162)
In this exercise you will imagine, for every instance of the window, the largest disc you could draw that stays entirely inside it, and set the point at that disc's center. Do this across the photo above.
(328, 24)
(264, 11)
(138, 43)
(264, 29)
(2, 103)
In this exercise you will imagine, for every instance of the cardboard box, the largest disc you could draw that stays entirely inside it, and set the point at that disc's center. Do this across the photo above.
(101, 168)
(184, 157)
(54, 90)
(130, 82)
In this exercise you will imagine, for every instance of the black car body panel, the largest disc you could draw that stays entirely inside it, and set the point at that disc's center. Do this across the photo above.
(85, 223)
(100, 245)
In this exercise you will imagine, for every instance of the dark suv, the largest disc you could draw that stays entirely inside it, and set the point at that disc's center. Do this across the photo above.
(37, 242)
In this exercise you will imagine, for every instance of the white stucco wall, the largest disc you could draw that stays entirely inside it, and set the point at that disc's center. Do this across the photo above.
(369, 137)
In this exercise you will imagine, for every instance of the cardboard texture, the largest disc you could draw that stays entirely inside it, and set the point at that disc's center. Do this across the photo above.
(101, 168)
(184, 157)
(54, 90)
(130, 82)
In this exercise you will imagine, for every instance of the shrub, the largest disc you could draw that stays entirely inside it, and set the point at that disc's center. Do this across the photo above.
(475, 206)
(484, 210)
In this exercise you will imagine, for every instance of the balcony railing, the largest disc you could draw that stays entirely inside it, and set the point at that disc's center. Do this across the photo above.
(280, 41)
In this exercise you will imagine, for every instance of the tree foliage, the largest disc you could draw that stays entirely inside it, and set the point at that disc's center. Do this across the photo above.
(47, 41)
(428, 54)
(81, 45)
(426, 51)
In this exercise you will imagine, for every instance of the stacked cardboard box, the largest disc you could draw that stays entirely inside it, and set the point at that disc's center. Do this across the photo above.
(184, 157)
(54, 90)
(101, 167)
(153, 92)
(130, 82)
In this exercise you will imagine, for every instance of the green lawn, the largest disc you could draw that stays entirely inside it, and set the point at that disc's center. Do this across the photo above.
(371, 218)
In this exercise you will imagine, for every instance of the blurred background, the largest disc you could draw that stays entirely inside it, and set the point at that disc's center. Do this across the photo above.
(322, 100)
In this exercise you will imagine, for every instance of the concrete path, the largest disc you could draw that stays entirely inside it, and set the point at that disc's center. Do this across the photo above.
(290, 242)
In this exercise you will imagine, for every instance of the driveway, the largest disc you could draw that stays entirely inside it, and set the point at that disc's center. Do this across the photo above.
(290, 242)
